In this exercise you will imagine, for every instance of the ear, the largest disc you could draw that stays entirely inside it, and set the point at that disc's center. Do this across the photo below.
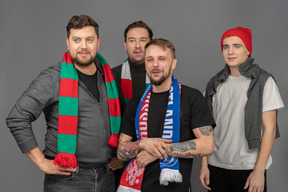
(98, 43)
(67, 43)
(174, 62)
(125, 45)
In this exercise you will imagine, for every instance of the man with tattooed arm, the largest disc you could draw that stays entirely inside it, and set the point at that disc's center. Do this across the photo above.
(164, 129)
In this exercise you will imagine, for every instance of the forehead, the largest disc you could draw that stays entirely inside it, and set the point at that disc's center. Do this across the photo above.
(157, 51)
(233, 40)
(137, 32)
(86, 31)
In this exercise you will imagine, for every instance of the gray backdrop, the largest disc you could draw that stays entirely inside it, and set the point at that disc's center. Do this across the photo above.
(32, 38)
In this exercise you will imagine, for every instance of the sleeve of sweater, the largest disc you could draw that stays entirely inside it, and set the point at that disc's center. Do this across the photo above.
(30, 106)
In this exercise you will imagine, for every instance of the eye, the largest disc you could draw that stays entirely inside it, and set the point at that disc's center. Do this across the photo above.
(76, 40)
(225, 47)
(90, 40)
(237, 46)
(131, 40)
(143, 40)
(149, 60)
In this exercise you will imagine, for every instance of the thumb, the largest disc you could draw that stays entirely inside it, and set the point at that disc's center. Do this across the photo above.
(207, 180)
(247, 184)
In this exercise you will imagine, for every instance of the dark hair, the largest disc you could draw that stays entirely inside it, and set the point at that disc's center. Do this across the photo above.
(164, 43)
(138, 24)
(80, 21)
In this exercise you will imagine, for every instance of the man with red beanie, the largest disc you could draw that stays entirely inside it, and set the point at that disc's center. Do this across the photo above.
(244, 100)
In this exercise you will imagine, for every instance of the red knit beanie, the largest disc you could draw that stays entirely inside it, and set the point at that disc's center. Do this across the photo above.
(244, 34)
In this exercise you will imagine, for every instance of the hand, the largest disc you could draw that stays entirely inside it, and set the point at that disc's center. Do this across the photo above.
(115, 164)
(204, 177)
(144, 158)
(157, 147)
(47, 166)
(255, 181)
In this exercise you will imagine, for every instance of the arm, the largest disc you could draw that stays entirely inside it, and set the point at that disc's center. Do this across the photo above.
(45, 165)
(128, 149)
(201, 146)
(204, 176)
(40, 94)
(256, 178)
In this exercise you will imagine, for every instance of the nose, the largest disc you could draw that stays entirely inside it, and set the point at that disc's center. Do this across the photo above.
(83, 45)
(155, 63)
(138, 44)
(230, 50)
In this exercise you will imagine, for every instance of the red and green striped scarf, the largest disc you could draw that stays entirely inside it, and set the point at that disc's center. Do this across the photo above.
(126, 81)
(68, 110)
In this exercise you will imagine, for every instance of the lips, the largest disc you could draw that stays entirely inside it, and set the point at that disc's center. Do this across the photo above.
(231, 58)
(156, 71)
(138, 51)
(84, 53)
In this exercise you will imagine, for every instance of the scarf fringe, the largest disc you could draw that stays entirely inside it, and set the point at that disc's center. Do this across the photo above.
(65, 160)
(122, 188)
(113, 140)
(169, 175)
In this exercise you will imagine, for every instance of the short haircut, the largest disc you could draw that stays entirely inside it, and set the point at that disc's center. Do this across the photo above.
(138, 24)
(80, 21)
(164, 43)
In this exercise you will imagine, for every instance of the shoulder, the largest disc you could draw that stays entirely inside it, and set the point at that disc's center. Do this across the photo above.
(117, 69)
(50, 74)
(190, 92)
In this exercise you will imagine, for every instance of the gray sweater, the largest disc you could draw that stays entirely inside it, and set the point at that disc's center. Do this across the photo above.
(253, 107)
(93, 120)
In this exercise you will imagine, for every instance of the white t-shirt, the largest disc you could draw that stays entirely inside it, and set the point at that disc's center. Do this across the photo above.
(231, 147)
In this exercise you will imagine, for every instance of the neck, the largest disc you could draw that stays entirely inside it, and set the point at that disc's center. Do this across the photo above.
(88, 70)
(165, 86)
(234, 72)
(136, 62)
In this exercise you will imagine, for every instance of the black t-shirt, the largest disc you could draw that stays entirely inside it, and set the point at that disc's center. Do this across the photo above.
(194, 113)
(90, 81)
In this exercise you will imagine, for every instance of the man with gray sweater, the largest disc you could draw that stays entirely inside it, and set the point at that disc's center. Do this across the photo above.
(244, 100)
(82, 126)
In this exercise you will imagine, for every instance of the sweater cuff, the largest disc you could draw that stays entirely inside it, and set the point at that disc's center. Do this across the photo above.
(28, 146)
(254, 144)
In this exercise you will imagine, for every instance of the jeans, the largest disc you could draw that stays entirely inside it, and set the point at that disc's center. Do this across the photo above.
(83, 180)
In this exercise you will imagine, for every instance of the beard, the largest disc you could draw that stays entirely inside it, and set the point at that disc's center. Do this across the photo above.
(162, 79)
(81, 63)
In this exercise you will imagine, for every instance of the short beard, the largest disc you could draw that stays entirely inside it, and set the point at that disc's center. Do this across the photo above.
(76, 61)
(161, 80)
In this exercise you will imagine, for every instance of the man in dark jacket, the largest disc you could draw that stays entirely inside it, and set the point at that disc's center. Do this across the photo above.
(82, 126)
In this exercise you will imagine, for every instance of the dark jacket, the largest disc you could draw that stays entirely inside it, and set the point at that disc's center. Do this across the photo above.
(93, 120)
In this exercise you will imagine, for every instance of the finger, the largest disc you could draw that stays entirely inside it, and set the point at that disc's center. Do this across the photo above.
(207, 179)
(167, 140)
(246, 184)
(64, 173)
(157, 154)
(69, 169)
(162, 151)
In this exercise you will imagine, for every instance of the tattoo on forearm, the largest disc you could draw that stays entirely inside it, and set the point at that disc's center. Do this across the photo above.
(183, 147)
(206, 130)
(184, 150)
(128, 150)
(187, 155)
